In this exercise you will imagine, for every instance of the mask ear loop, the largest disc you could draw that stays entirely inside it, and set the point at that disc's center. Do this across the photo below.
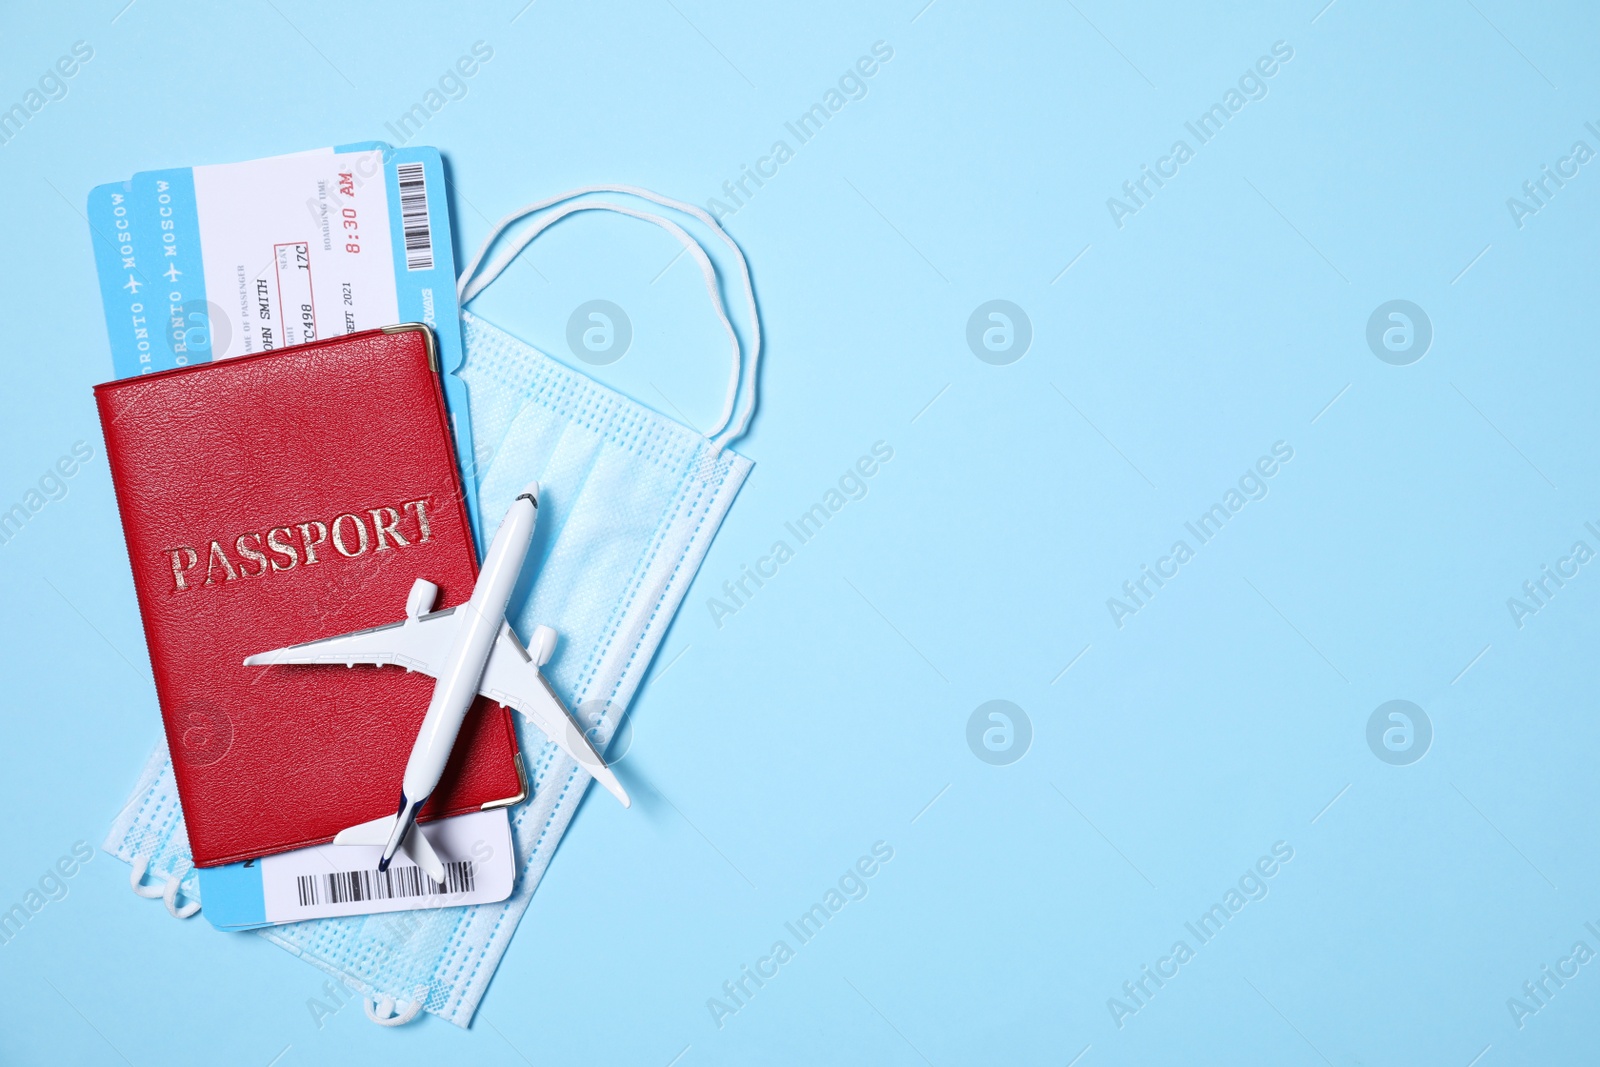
(748, 383)
(168, 893)
(385, 1010)
(469, 289)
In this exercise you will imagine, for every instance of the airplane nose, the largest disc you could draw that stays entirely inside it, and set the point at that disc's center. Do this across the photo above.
(531, 491)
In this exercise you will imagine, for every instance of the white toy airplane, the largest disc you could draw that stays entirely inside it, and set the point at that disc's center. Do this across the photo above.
(469, 649)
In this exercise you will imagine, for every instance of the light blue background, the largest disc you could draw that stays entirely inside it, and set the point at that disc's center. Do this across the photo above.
(828, 713)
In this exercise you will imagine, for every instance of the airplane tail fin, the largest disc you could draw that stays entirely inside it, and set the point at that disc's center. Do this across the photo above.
(375, 832)
(415, 846)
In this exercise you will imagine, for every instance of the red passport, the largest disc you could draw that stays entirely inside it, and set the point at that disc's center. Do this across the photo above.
(277, 498)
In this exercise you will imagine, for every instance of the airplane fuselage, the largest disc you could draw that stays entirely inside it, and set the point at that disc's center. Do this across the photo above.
(483, 617)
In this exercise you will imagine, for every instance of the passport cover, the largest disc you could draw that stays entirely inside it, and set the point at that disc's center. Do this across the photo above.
(282, 497)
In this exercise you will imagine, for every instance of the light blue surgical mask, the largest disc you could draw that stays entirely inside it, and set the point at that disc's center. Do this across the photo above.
(633, 499)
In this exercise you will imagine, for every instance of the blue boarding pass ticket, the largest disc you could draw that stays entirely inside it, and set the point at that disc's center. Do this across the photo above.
(343, 880)
(202, 263)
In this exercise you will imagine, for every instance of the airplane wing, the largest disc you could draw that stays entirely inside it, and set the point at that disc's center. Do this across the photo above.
(418, 643)
(512, 678)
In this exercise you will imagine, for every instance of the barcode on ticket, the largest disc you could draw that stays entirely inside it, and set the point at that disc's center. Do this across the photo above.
(414, 216)
(353, 887)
